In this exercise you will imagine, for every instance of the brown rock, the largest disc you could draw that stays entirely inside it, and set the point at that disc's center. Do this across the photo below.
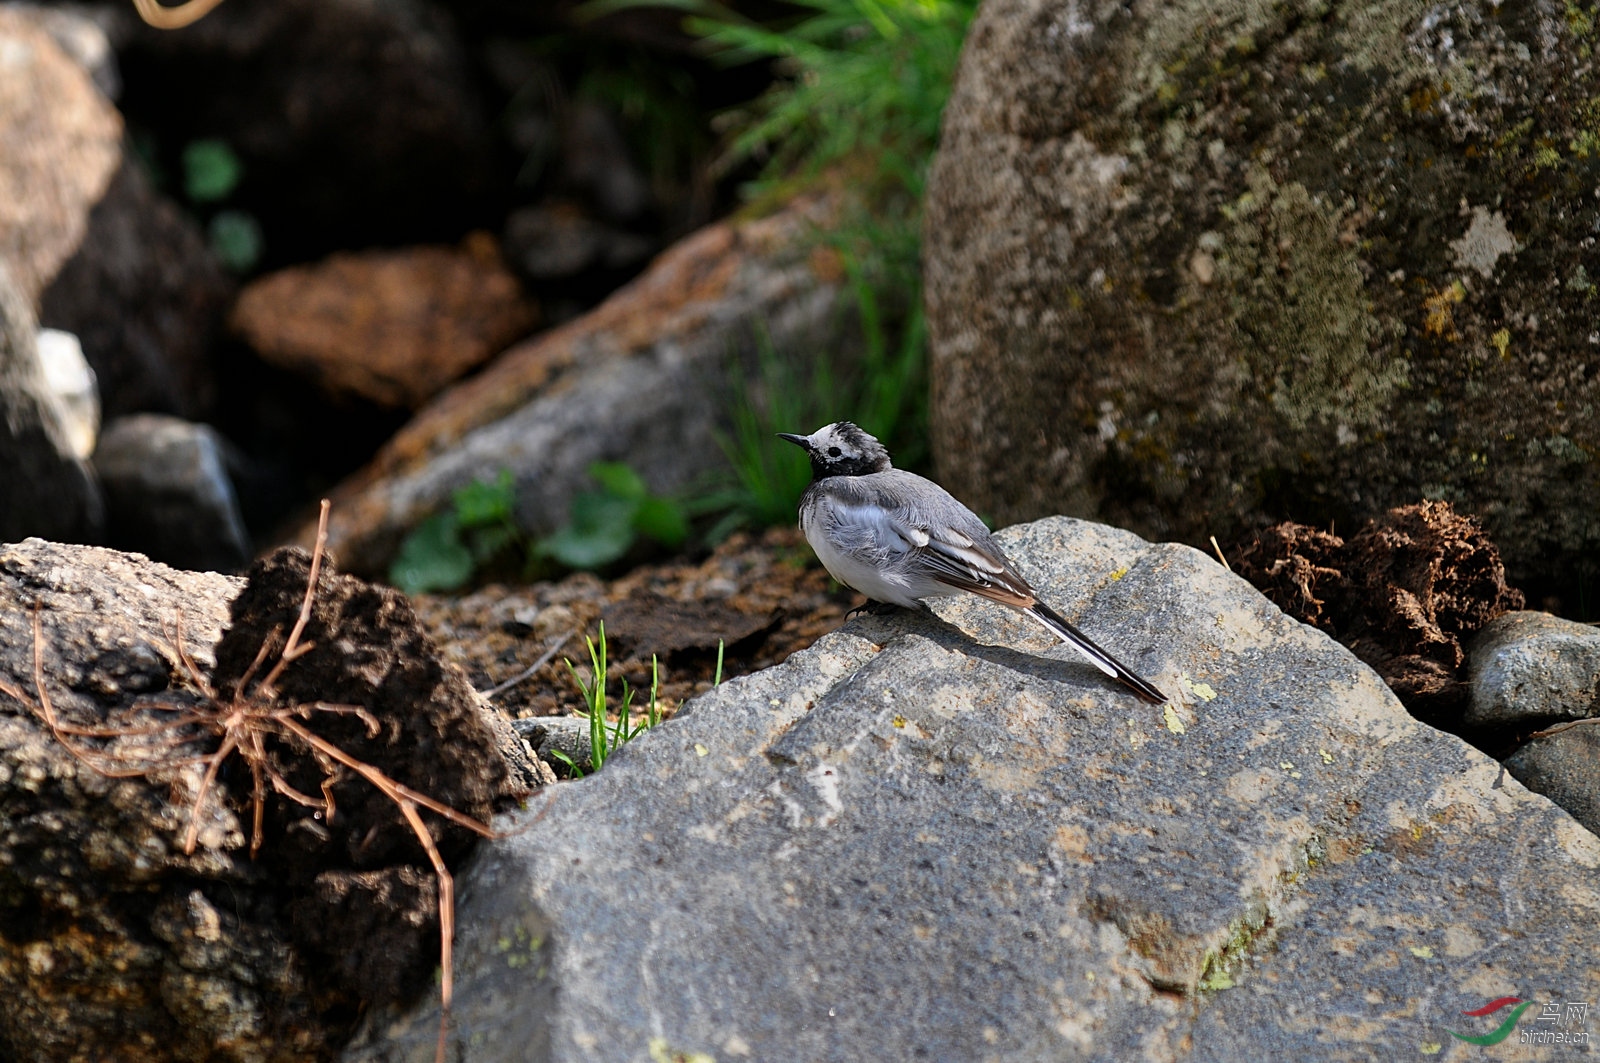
(63, 143)
(394, 327)
(1198, 267)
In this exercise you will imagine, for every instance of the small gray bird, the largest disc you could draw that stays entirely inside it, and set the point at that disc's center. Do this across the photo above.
(898, 538)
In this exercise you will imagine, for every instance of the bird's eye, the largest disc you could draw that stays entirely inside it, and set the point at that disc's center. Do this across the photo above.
(834, 452)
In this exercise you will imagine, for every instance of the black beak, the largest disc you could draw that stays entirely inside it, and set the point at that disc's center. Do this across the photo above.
(803, 442)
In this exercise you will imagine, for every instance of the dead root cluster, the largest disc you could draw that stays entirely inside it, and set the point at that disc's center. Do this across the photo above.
(246, 725)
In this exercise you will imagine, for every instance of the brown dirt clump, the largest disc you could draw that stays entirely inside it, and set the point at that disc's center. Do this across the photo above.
(1403, 594)
(362, 896)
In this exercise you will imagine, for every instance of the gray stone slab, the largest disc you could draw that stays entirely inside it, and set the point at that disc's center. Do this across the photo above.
(944, 837)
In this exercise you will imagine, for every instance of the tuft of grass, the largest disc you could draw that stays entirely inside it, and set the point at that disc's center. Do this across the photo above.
(605, 738)
(855, 79)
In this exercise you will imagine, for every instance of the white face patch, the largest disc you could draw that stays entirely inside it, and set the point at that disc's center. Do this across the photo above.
(832, 444)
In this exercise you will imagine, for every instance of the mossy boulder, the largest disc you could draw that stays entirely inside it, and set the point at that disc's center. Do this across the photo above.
(1193, 267)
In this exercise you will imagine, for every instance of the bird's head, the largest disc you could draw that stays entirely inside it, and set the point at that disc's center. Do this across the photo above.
(841, 449)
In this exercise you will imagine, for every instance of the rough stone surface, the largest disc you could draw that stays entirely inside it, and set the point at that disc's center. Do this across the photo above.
(168, 494)
(45, 488)
(944, 837)
(63, 144)
(394, 327)
(1533, 667)
(642, 379)
(1196, 266)
(1565, 767)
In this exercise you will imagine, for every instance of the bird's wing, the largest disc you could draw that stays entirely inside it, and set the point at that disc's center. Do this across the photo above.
(901, 519)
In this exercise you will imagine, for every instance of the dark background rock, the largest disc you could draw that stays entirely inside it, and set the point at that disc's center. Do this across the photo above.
(45, 489)
(168, 493)
(1192, 268)
(948, 837)
(357, 123)
(146, 297)
(92, 247)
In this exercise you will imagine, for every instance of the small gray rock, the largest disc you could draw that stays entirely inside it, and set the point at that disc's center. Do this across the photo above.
(1528, 665)
(69, 378)
(168, 494)
(1565, 767)
(549, 735)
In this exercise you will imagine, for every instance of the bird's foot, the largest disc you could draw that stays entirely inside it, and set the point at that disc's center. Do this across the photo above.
(872, 608)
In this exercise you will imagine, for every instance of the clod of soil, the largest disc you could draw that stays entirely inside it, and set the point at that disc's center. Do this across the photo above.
(1404, 594)
(364, 895)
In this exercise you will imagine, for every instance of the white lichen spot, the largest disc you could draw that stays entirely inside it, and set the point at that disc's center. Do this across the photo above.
(1485, 240)
(824, 778)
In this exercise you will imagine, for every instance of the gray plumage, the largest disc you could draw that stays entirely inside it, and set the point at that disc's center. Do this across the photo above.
(898, 538)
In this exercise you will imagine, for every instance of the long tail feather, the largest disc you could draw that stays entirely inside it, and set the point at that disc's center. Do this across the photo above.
(1064, 630)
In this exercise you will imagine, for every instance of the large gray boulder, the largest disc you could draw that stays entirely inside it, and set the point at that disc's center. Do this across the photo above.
(946, 837)
(1196, 266)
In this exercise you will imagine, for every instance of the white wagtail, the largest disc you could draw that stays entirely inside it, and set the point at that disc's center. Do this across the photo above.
(898, 537)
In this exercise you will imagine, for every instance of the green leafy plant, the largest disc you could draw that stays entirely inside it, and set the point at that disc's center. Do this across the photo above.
(211, 171)
(443, 552)
(856, 79)
(235, 238)
(604, 524)
(211, 174)
(604, 738)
